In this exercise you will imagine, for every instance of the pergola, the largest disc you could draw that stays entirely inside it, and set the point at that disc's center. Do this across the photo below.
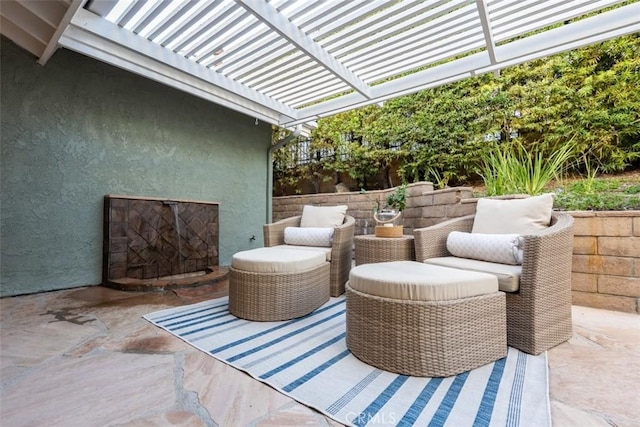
(290, 62)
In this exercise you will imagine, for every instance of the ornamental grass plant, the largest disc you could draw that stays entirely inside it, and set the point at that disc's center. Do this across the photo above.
(512, 169)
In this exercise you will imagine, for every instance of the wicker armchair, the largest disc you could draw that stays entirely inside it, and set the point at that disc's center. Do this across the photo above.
(539, 313)
(341, 251)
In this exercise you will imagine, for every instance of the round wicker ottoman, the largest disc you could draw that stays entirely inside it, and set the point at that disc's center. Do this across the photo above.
(410, 318)
(271, 284)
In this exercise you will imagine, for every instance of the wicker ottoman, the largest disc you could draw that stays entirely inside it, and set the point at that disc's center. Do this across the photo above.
(270, 284)
(414, 319)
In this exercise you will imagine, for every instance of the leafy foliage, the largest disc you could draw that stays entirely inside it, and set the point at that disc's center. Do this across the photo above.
(292, 164)
(632, 189)
(513, 169)
(442, 131)
(604, 195)
(588, 96)
(596, 202)
(587, 99)
(398, 199)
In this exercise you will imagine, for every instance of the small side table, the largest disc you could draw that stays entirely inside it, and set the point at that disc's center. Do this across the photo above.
(370, 249)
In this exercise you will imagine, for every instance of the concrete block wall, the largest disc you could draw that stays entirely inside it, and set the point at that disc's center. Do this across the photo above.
(606, 260)
(425, 206)
(606, 254)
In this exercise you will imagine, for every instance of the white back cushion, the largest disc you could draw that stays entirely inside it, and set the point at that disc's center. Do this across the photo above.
(308, 236)
(514, 216)
(323, 216)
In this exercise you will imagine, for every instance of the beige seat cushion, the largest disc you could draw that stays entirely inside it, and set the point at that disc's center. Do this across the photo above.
(410, 280)
(326, 251)
(276, 260)
(508, 275)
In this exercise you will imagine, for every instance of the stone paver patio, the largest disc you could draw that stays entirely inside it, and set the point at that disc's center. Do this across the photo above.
(85, 357)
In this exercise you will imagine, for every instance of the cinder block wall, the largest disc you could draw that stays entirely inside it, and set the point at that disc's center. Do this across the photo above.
(424, 205)
(606, 260)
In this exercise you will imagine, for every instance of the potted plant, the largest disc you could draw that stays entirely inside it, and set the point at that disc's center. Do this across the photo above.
(388, 219)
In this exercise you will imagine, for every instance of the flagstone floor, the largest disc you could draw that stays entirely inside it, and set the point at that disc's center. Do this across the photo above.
(85, 357)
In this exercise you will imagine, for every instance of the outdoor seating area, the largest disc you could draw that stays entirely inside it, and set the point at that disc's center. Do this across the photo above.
(482, 291)
(285, 212)
(403, 316)
(437, 316)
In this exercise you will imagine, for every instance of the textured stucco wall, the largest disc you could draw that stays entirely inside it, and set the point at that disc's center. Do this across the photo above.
(78, 129)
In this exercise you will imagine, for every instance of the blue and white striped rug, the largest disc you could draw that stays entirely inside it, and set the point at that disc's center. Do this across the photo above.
(307, 359)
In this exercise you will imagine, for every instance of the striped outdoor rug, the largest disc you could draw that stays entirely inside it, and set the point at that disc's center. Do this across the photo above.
(307, 359)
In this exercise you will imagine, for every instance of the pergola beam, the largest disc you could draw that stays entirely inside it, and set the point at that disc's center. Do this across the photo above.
(607, 25)
(106, 51)
(289, 62)
(278, 23)
(152, 53)
(53, 42)
(485, 21)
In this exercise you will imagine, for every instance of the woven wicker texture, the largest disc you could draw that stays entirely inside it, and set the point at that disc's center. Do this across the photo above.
(277, 296)
(539, 314)
(370, 248)
(341, 249)
(426, 338)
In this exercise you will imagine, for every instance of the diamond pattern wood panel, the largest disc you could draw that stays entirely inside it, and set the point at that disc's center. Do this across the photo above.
(153, 238)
